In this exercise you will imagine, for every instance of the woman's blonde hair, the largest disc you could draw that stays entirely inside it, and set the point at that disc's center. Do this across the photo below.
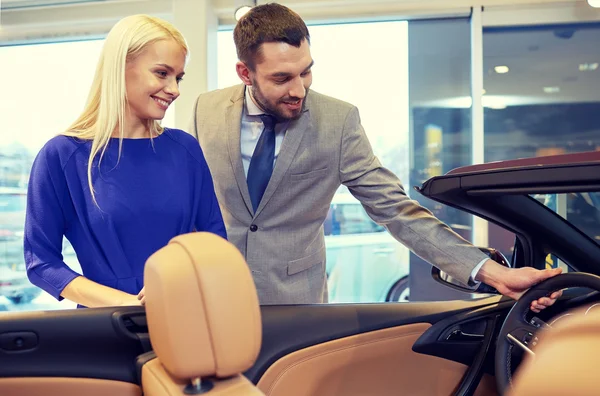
(104, 112)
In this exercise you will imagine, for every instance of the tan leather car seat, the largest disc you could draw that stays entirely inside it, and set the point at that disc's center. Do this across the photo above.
(566, 359)
(203, 317)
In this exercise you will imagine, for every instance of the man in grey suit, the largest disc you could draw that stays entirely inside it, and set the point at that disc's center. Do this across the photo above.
(278, 153)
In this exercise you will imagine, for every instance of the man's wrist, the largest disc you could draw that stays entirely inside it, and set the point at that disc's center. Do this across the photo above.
(491, 273)
(475, 271)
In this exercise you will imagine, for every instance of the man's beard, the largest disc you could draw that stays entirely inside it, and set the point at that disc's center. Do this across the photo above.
(272, 109)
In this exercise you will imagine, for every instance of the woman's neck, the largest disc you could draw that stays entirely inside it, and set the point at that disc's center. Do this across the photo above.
(134, 129)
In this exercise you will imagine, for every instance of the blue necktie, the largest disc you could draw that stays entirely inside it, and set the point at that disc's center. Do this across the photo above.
(261, 164)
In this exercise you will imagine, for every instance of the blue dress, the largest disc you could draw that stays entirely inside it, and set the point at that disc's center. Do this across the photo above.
(158, 189)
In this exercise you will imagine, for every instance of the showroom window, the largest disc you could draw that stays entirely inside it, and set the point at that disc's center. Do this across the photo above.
(544, 82)
(441, 134)
(542, 89)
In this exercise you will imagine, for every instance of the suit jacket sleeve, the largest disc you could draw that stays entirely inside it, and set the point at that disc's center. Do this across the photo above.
(386, 202)
(193, 125)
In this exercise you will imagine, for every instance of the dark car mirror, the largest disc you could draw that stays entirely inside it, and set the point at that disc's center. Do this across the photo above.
(447, 280)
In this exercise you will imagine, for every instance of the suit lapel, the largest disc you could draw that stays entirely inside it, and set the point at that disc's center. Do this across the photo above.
(233, 115)
(287, 152)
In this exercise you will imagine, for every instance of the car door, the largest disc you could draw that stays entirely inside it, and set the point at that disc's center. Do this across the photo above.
(348, 349)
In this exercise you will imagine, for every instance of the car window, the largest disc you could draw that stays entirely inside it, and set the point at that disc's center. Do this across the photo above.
(583, 212)
(581, 209)
(348, 219)
(553, 261)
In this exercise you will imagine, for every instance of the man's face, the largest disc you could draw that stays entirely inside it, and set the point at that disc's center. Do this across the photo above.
(280, 82)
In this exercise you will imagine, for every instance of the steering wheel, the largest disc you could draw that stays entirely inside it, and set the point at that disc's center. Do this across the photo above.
(517, 331)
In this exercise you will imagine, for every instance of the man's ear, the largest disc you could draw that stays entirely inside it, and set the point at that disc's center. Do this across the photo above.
(243, 73)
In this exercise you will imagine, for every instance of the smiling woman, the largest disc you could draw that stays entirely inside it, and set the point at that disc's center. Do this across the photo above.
(63, 72)
(128, 204)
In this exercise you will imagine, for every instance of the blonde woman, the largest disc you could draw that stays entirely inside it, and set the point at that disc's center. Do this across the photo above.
(116, 183)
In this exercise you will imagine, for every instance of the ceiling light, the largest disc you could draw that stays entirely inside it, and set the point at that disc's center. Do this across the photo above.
(594, 3)
(550, 90)
(241, 11)
(588, 66)
(501, 69)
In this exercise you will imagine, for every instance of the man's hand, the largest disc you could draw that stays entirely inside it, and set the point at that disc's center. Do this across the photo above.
(142, 296)
(514, 282)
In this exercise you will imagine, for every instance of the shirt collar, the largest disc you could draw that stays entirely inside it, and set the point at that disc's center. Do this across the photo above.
(251, 108)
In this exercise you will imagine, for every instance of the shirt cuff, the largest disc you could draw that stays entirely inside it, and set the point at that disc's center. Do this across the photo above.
(476, 271)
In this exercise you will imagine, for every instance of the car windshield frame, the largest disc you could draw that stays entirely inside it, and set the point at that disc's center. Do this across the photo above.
(501, 195)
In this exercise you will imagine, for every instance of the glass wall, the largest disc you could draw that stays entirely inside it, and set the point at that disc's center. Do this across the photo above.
(441, 135)
(544, 82)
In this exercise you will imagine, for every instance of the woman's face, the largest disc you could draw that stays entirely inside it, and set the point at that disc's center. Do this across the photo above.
(152, 80)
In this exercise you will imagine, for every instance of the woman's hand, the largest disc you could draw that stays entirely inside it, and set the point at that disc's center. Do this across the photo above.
(142, 296)
(91, 294)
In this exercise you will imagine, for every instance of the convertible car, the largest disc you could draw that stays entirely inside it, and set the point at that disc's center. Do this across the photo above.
(202, 331)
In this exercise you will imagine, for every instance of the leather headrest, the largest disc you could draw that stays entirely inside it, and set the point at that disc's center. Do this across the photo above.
(202, 307)
(565, 359)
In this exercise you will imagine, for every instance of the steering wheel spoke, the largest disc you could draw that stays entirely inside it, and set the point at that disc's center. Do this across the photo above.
(523, 337)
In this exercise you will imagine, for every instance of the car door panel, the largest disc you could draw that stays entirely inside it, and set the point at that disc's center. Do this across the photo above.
(291, 328)
(379, 362)
(72, 349)
(346, 344)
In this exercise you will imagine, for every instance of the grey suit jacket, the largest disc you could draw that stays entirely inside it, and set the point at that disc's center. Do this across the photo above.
(283, 242)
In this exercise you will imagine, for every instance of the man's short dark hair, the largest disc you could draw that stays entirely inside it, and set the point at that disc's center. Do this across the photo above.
(267, 23)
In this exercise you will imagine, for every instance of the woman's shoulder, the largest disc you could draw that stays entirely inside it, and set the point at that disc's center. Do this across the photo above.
(186, 141)
(60, 149)
(180, 136)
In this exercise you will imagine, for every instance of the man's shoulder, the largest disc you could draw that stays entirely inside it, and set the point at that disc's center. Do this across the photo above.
(220, 96)
(327, 111)
(322, 101)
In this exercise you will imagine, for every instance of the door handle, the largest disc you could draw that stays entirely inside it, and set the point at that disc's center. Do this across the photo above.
(459, 335)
